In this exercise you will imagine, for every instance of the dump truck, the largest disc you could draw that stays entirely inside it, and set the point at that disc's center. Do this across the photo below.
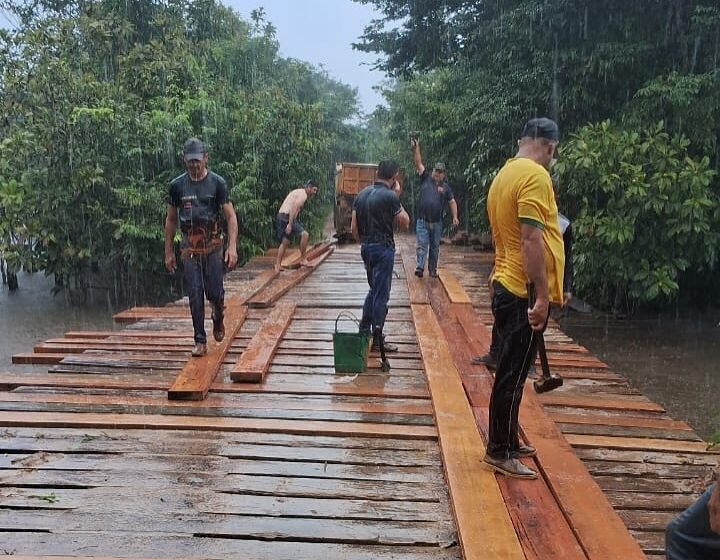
(350, 179)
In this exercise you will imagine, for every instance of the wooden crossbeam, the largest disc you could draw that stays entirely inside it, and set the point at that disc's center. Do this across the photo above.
(195, 379)
(485, 529)
(254, 362)
(270, 294)
(454, 290)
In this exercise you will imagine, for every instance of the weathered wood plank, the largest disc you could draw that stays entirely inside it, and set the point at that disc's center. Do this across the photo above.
(254, 362)
(196, 378)
(455, 292)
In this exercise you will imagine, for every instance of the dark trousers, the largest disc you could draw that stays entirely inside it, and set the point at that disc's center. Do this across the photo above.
(689, 536)
(517, 347)
(379, 260)
(204, 277)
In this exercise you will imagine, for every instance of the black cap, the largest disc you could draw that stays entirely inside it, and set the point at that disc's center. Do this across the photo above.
(541, 128)
(193, 149)
(311, 183)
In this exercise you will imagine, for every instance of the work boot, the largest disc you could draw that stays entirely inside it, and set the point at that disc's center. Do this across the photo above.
(509, 467)
(488, 360)
(433, 274)
(218, 327)
(199, 350)
(525, 451)
(419, 272)
(388, 346)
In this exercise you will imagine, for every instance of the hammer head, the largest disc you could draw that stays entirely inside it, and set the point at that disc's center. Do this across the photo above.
(546, 384)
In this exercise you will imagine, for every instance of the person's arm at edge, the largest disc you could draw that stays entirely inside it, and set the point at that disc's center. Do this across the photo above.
(170, 229)
(354, 227)
(452, 203)
(231, 256)
(417, 156)
(402, 220)
(569, 271)
(714, 504)
(533, 256)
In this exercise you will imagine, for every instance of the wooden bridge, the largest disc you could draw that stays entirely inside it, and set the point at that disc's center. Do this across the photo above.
(128, 448)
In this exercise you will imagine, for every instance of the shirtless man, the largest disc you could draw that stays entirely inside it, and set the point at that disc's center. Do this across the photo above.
(288, 225)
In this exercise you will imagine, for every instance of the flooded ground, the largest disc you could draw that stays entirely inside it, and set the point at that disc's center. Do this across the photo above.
(32, 314)
(674, 362)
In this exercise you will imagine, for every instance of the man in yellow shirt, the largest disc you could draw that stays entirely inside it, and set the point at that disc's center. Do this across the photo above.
(528, 249)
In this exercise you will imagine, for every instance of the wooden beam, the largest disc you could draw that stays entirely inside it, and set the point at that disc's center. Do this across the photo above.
(454, 290)
(485, 530)
(254, 362)
(39, 359)
(195, 379)
(416, 288)
(205, 423)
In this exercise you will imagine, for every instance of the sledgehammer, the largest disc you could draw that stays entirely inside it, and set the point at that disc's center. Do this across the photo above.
(548, 381)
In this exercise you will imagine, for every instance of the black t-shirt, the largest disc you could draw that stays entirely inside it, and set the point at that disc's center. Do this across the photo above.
(199, 204)
(375, 209)
(432, 197)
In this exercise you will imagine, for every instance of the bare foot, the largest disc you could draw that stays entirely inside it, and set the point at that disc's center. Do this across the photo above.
(277, 267)
(306, 264)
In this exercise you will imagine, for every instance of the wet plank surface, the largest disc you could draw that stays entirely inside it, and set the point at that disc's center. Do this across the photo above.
(305, 463)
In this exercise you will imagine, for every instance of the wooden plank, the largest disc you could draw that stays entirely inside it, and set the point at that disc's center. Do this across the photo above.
(485, 530)
(254, 362)
(613, 403)
(416, 288)
(270, 294)
(157, 421)
(649, 444)
(293, 261)
(195, 379)
(454, 290)
(600, 530)
(623, 420)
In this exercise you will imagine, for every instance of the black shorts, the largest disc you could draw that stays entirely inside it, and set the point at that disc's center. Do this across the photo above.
(282, 222)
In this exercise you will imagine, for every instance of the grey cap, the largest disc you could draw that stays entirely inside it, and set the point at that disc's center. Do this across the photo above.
(193, 149)
(541, 128)
(440, 166)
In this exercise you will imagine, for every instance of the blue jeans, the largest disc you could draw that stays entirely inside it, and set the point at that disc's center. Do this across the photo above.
(689, 536)
(428, 237)
(517, 349)
(204, 277)
(379, 260)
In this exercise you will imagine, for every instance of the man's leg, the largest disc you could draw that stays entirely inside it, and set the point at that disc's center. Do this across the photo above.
(382, 280)
(689, 535)
(216, 292)
(516, 340)
(435, 234)
(422, 237)
(281, 253)
(366, 321)
(193, 271)
(304, 237)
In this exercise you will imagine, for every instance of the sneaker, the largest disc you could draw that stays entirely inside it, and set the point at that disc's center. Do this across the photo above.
(218, 328)
(509, 467)
(388, 346)
(419, 272)
(433, 274)
(487, 360)
(525, 451)
(199, 350)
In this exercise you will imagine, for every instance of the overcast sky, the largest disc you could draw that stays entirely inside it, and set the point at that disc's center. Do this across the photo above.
(322, 32)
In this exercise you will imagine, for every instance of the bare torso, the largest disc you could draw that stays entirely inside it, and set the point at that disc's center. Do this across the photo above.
(293, 202)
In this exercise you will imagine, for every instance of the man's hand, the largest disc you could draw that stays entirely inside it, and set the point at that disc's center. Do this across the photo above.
(288, 229)
(567, 298)
(170, 263)
(537, 315)
(455, 221)
(231, 257)
(413, 143)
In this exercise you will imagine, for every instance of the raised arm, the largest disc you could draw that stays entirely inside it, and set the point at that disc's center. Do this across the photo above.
(417, 156)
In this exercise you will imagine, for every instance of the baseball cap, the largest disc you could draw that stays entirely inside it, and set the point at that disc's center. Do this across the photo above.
(440, 166)
(193, 149)
(541, 128)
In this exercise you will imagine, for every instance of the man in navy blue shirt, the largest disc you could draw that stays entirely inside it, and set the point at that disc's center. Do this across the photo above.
(434, 192)
(195, 200)
(375, 210)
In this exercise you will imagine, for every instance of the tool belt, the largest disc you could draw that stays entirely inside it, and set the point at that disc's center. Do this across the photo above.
(201, 241)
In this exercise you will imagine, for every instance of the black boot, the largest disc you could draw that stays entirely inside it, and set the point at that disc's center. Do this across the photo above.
(387, 346)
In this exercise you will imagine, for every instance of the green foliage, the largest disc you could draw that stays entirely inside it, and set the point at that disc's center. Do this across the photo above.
(644, 211)
(97, 99)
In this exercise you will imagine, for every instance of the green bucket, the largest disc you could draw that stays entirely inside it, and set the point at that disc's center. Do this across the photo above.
(350, 348)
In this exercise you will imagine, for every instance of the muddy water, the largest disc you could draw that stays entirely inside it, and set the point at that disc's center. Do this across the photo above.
(32, 314)
(675, 362)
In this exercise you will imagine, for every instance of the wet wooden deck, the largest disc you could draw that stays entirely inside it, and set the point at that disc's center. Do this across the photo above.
(126, 448)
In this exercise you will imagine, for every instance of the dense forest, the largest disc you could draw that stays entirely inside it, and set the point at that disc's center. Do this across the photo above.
(635, 88)
(98, 96)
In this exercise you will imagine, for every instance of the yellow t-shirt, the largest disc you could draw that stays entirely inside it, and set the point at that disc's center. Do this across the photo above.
(522, 193)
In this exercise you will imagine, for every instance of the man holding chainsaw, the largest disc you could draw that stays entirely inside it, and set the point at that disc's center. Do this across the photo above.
(528, 250)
